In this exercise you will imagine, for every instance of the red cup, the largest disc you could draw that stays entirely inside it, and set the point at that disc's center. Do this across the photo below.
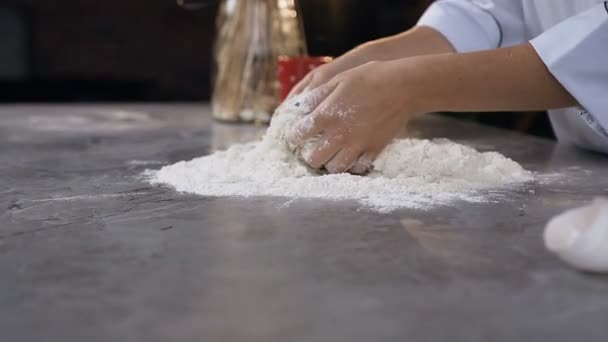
(293, 69)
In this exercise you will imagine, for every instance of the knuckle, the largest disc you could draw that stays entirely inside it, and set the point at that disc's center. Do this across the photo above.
(318, 118)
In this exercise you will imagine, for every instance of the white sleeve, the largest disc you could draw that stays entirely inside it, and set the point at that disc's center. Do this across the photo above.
(473, 25)
(576, 53)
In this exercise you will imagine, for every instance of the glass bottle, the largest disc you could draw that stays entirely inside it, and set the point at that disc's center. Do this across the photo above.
(251, 35)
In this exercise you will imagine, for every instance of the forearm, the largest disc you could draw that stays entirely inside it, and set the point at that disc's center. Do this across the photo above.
(417, 41)
(509, 79)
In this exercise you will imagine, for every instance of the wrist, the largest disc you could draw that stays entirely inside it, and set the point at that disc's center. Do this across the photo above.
(411, 79)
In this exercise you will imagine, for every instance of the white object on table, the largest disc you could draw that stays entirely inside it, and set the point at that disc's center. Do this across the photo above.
(580, 236)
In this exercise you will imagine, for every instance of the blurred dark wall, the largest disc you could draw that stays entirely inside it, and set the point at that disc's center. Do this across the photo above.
(335, 27)
(153, 50)
(114, 50)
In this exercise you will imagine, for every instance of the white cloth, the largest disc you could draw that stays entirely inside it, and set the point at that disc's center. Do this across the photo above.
(570, 36)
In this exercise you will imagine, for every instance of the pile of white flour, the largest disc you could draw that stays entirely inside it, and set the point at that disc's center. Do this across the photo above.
(410, 173)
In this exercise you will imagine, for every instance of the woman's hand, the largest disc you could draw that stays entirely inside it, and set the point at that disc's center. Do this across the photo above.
(417, 41)
(357, 113)
(326, 72)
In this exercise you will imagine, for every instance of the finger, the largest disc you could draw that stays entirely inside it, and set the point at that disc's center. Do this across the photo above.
(314, 124)
(364, 164)
(325, 150)
(306, 102)
(343, 160)
(313, 98)
(300, 86)
(314, 84)
(306, 128)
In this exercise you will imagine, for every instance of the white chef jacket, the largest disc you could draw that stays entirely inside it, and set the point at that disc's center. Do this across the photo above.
(570, 36)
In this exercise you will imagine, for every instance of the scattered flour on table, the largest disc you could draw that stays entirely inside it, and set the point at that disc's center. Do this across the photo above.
(410, 173)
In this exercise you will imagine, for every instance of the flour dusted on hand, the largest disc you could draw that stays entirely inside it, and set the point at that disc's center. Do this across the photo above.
(410, 173)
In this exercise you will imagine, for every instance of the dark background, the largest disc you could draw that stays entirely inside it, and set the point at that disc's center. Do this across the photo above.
(154, 50)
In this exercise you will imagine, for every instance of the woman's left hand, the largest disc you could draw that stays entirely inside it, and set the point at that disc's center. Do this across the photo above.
(357, 114)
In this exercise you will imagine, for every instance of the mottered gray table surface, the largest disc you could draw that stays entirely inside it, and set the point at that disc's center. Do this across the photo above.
(91, 252)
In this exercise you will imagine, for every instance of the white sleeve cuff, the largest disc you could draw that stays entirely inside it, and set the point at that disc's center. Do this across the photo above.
(576, 53)
(465, 25)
